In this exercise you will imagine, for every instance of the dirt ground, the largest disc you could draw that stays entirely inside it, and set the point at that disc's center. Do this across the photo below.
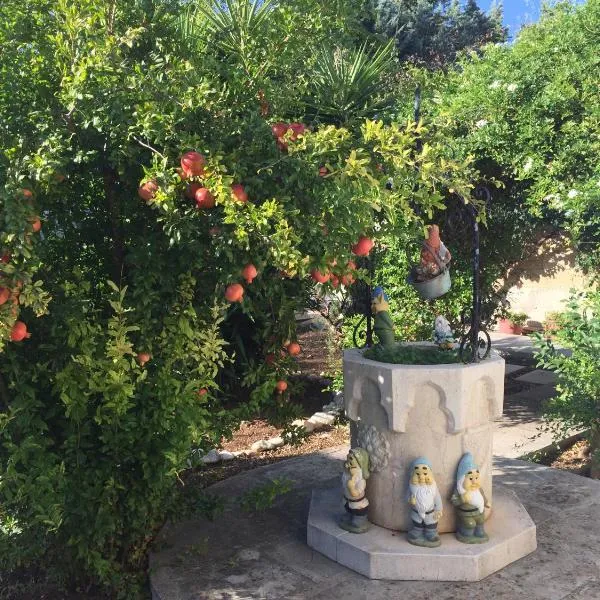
(575, 459)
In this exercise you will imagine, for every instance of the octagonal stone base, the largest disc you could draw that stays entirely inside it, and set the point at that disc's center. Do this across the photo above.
(384, 554)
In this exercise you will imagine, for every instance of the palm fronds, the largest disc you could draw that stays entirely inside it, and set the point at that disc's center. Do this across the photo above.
(350, 84)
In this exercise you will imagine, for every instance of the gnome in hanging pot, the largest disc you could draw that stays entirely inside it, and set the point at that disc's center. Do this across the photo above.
(470, 503)
(425, 503)
(434, 256)
(383, 326)
(354, 488)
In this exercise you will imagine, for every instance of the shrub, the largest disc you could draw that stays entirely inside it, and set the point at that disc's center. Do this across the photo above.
(135, 356)
(577, 403)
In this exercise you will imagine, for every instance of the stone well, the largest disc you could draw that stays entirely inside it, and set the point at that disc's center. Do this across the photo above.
(406, 411)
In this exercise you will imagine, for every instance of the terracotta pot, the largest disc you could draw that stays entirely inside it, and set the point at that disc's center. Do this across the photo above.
(507, 326)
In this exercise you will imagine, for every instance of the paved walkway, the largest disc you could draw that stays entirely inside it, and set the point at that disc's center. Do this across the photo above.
(265, 556)
(525, 390)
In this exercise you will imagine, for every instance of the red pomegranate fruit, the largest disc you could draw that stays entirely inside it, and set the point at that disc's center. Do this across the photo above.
(192, 164)
(363, 246)
(320, 277)
(234, 292)
(19, 332)
(204, 199)
(294, 348)
(4, 295)
(281, 386)
(249, 273)
(148, 190)
(143, 358)
(239, 193)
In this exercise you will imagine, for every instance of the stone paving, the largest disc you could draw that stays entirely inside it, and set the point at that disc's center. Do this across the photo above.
(526, 388)
(264, 556)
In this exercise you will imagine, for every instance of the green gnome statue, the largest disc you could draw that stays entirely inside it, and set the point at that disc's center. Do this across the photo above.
(354, 486)
(470, 503)
(383, 325)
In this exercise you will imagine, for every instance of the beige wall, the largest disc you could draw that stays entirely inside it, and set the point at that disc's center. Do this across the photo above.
(539, 284)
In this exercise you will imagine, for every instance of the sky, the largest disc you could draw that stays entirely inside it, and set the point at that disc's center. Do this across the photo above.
(518, 12)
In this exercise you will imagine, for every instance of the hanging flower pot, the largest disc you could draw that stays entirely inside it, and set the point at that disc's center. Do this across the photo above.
(431, 277)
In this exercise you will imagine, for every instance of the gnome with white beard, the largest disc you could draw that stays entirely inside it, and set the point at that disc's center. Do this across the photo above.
(470, 503)
(426, 504)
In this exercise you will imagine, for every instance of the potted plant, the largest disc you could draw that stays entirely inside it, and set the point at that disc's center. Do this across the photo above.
(512, 323)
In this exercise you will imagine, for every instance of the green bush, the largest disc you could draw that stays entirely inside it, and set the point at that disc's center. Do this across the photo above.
(134, 356)
(577, 403)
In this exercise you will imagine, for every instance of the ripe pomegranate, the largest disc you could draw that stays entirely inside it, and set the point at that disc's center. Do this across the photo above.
(335, 281)
(5, 258)
(281, 386)
(192, 164)
(347, 279)
(202, 392)
(249, 273)
(279, 129)
(36, 225)
(148, 190)
(323, 172)
(234, 292)
(204, 199)
(19, 332)
(297, 129)
(4, 295)
(363, 246)
(27, 193)
(191, 189)
(239, 193)
(143, 358)
(294, 348)
(320, 277)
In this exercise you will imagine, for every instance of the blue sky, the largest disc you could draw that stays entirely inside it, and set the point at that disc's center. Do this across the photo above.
(518, 12)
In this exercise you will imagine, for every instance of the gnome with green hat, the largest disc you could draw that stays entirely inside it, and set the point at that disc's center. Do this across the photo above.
(383, 326)
(426, 504)
(470, 503)
(354, 487)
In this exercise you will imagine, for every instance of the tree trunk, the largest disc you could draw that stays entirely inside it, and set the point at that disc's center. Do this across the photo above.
(595, 453)
(111, 195)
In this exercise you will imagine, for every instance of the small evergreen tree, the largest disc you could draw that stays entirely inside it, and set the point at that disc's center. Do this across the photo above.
(433, 32)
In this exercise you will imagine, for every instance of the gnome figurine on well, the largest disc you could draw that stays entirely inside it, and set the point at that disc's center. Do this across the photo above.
(442, 333)
(383, 325)
(434, 256)
(426, 504)
(354, 486)
(470, 503)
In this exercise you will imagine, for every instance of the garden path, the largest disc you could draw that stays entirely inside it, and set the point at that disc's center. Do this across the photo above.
(525, 390)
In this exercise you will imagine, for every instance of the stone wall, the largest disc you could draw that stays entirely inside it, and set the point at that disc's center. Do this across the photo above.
(538, 285)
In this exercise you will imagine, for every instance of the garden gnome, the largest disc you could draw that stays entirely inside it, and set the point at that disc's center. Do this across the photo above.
(426, 504)
(354, 485)
(470, 502)
(442, 333)
(382, 325)
(434, 255)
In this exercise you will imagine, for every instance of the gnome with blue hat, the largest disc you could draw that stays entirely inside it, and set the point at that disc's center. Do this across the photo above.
(426, 504)
(470, 502)
(383, 326)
